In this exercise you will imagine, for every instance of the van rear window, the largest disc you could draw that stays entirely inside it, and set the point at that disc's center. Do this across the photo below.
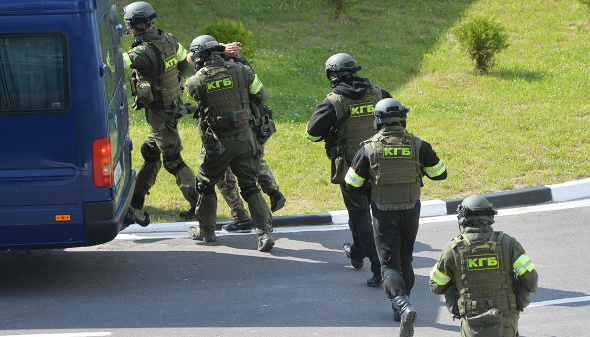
(33, 73)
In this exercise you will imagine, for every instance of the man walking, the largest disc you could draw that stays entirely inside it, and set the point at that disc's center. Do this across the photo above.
(393, 163)
(343, 120)
(224, 92)
(485, 275)
(157, 60)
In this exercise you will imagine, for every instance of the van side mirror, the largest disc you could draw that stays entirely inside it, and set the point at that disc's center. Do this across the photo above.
(102, 70)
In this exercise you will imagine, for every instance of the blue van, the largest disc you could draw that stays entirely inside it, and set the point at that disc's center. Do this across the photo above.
(66, 178)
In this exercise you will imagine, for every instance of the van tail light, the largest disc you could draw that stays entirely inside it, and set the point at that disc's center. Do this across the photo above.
(102, 162)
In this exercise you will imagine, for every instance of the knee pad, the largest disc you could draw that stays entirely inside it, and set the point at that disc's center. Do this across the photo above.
(173, 164)
(249, 191)
(204, 187)
(149, 154)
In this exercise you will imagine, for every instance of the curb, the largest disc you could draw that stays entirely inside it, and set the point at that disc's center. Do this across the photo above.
(514, 198)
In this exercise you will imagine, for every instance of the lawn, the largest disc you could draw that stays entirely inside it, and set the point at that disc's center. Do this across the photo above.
(524, 124)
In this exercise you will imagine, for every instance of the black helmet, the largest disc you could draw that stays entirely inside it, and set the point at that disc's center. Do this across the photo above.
(202, 47)
(474, 211)
(340, 66)
(139, 15)
(389, 110)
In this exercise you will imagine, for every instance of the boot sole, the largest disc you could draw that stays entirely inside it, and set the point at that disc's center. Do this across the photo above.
(373, 285)
(355, 264)
(407, 326)
(267, 246)
(347, 254)
(237, 230)
(204, 239)
(192, 233)
(280, 204)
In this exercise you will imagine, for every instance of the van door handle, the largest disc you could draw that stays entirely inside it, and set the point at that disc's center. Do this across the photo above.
(121, 108)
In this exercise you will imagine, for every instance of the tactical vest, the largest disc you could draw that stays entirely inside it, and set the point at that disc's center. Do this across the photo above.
(225, 97)
(359, 126)
(485, 279)
(396, 171)
(163, 78)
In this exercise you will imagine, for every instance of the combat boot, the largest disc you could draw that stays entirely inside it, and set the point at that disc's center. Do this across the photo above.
(137, 201)
(374, 281)
(196, 233)
(377, 279)
(396, 315)
(277, 200)
(238, 226)
(407, 315)
(355, 262)
(188, 215)
(265, 242)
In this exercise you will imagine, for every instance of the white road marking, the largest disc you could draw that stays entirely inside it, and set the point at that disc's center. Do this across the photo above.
(72, 334)
(561, 301)
(179, 229)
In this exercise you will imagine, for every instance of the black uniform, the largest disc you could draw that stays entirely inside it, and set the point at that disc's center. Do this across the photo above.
(395, 230)
(322, 121)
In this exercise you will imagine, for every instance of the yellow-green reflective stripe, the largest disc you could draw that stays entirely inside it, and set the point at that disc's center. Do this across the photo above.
(438, 277)
(126, 61)
(255, 86)
(436, 170)
(312, 138)
(109, 63)
(181, 53)
(353, 179)
(523, 264)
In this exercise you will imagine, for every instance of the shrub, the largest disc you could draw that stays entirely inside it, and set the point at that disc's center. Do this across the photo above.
(482, 39)
(229, 31)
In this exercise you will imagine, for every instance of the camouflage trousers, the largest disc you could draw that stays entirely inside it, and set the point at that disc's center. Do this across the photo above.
(242, 155)
(163, 142)
(229, 190)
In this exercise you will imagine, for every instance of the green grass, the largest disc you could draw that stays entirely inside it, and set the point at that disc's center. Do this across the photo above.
(524, 124)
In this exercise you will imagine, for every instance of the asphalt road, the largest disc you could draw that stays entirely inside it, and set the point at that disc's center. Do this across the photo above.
(169, 285)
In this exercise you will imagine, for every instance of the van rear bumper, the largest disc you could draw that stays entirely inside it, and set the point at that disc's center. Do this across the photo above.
(103, 221)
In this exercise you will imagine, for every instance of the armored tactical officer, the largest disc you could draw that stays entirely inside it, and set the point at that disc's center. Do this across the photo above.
(266, 179)
(485, 275)
(228, 185)
(224, 91)
(157, 60)
(393, 163)
(343, 120)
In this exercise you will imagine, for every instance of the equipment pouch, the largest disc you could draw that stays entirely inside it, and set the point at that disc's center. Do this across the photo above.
(452, 301)
(133, 85)
(339, 166)
(211, 143)
(266, 129)
(144, 93)
(238, 118)
(487, 324)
